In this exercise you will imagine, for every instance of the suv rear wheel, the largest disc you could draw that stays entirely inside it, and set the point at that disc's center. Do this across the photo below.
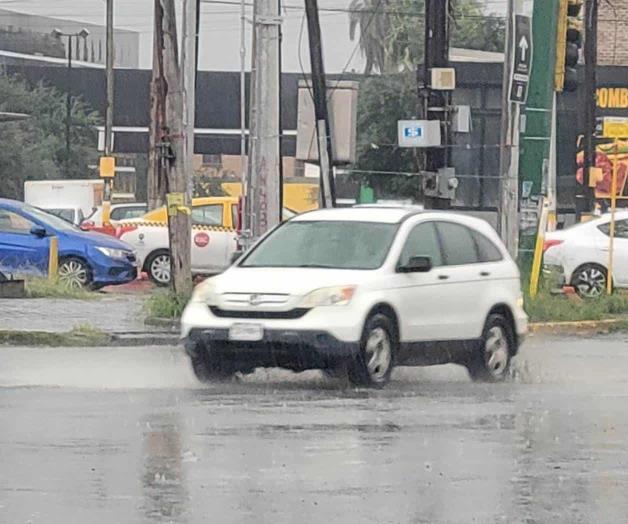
(378, 347)
(491, 363)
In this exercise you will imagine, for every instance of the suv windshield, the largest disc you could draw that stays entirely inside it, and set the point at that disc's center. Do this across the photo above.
(326, 244)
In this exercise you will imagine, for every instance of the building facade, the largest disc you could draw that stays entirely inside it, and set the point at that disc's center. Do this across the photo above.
(613, 33)
(32, 34)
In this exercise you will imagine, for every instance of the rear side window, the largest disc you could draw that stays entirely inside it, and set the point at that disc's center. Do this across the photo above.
(487, 251)
(210, 215)
(459, 247)
(621, 229)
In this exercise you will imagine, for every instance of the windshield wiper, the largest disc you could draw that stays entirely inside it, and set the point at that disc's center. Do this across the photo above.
(319, 266)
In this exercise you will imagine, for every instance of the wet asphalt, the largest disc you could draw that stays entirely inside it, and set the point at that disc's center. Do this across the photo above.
(126, 435)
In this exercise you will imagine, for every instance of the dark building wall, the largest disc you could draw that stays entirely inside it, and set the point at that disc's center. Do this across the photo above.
(475, 156)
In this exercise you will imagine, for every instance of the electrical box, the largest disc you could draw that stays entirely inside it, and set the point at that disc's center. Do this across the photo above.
(342, 105)
(443, 78)
(419, 133)
(442, 184)
(461, 120)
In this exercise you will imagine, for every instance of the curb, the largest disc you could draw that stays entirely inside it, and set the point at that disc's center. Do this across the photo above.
(168, 324)
(579, 327)
(70, 339)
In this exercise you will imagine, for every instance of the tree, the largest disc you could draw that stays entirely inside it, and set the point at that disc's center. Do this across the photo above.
(34, 149)
(391, 32)
(391, 39)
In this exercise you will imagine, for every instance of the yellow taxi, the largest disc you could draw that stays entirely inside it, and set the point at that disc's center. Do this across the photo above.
(209, 211)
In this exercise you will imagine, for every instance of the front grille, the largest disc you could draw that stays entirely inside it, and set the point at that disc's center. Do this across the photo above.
(291, 314)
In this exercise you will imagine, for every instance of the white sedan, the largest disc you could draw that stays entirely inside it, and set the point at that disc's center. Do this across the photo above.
(581, 254)
(362, 290)
(212, 248)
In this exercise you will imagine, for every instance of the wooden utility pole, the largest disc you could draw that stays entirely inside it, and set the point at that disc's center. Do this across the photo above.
(590, 86)
(321, 112)
(436, 102)
(155, 184)
(172, 149)
(265, 195)
(189, 67)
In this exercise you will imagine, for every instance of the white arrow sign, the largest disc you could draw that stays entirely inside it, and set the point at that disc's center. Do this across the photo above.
(523, 45)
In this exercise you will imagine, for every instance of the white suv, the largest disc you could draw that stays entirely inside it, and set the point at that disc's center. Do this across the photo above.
(362, 290)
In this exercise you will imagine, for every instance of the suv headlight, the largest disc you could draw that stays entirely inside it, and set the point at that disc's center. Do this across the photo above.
(113, 253)
(204, 293)
(329, 296)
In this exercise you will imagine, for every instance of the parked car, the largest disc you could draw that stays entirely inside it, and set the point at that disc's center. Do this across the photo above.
(85, 259)
(362, 289)
(580, 255)
(214, 238)
(118, 212)
(72, 214)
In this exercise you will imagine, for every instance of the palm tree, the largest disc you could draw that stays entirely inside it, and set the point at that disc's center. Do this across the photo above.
(373, 23)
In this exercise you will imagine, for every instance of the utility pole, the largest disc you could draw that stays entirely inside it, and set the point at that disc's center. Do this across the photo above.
(587, 199)
(109, 110)
(155, 184)
(68, 110)
(321, 112)
(189, 67)
(508, 222)
(534, 162)
(172, 148)
(435, 103)
(265, 204)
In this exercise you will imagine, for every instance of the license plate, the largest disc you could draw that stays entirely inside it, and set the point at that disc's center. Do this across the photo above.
(246, 332)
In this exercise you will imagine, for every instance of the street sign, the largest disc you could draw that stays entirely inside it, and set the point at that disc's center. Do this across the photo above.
(419, 133)
(521, 59)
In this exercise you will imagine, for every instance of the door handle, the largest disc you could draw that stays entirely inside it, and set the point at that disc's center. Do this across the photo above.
(485, 274)
(443, 277)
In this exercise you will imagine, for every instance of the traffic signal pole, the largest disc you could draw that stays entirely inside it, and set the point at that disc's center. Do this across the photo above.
(534, 160)
(590, 83)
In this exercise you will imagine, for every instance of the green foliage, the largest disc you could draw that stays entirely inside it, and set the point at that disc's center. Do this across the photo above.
(45, 288)
(34, 149)
(390, 33)
(557, 308)
(392, 43)
(206, 186)
(166, 304)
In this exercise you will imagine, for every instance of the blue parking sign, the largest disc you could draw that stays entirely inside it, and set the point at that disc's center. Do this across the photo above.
(413, 132)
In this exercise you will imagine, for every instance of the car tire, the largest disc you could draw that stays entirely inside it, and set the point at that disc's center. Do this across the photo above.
(589, 280)
(74, 273)
(207, 370)
(158, 268)
(373, 365)
(491, 361)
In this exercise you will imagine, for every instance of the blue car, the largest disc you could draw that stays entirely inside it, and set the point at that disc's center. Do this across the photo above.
(86, 259)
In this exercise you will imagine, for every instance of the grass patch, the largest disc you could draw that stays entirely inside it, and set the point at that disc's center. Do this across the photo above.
(166, 304)
(558, 308)
(44, 288)
(82, 335)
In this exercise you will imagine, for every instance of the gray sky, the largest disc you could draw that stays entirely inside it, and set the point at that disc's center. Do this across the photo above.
(220, 29)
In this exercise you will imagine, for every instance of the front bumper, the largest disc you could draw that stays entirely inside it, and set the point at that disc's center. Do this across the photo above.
(290, 349)
(114, 274)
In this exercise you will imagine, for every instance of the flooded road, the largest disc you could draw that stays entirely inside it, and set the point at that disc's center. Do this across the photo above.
(127, 435)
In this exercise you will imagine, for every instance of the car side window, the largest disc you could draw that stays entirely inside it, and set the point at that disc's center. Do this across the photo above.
(13, 223)
(234, 216)
(621, 229)
(487, 251)
(459, 247)
(207, 215)
(422, 241)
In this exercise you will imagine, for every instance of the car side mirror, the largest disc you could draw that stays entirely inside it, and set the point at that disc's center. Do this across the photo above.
(86, 225)
(38, 231)
(236, 255)
(417, 265)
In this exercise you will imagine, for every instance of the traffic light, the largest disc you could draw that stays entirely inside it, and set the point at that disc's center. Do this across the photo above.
(568, 44)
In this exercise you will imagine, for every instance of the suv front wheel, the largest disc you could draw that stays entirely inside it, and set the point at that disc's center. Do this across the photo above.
(491, 363)
(374, 364)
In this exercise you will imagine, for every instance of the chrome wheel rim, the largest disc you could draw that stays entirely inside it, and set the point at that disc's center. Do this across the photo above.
(378, 354)
(160, 269)
(73, 274)
(496, 352)
(591, 282)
